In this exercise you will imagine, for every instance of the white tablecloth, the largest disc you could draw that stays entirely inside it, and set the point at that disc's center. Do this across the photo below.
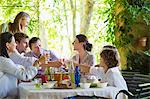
(28, 91)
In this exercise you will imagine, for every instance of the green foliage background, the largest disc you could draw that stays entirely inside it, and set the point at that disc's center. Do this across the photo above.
(51, 20)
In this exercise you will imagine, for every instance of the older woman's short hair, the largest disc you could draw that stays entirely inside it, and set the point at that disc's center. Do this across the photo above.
(33, 40)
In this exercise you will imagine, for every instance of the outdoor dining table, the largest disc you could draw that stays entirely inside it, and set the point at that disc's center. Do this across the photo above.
(28, 91)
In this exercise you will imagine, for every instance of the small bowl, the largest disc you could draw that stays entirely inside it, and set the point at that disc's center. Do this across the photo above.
(37, 85)
(102, 84)
(85, 85)
(93, 81)
(49, 84)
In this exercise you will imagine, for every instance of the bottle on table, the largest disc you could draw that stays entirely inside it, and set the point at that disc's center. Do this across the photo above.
(77, 76)
(71, 71)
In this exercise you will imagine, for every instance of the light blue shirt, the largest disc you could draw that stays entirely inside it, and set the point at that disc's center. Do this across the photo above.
(53, 57)
(9, 73)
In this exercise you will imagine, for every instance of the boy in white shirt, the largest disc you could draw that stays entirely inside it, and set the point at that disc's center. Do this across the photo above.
(108, 70)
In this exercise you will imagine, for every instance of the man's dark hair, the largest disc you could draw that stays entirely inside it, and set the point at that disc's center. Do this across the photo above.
(33, 40)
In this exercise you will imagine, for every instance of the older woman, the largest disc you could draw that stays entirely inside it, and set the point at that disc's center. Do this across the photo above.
(9, 71)
(19, 25)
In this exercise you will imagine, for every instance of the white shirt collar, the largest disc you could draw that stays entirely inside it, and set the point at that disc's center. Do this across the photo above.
(113, 69)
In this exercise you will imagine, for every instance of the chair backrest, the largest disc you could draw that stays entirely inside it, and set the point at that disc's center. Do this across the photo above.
(129, 94)
(138, 84)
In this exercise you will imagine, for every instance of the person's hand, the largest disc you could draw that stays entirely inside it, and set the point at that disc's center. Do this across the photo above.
(36, 63)
(84, 68)
(67, 63)
(55, 64)
(40, 61)
(43, 59)
(62, 61)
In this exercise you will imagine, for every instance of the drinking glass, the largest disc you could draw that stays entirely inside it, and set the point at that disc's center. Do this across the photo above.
(47, 56)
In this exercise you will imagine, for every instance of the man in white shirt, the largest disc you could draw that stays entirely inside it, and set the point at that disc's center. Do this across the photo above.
(22, 41)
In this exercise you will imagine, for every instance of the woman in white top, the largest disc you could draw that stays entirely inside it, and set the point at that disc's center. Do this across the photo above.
(83, 47)
(109, 70)
(9, 71)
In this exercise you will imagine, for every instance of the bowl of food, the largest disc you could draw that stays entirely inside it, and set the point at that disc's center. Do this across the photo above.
(49, 84)
(102, 84)
(85, 85)
(92, 79)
